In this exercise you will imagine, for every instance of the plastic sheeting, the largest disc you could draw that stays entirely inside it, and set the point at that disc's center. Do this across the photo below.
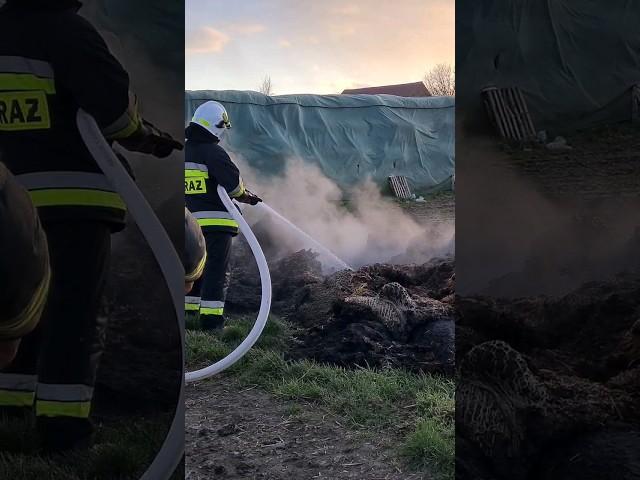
(350, 137)
(576, 61)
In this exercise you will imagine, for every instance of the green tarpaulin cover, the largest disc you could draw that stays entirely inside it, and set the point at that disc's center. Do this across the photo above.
(350, 137)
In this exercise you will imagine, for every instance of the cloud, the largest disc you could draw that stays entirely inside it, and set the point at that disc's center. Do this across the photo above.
(349, 9)
(312, 40)
(340, 31)
(357, 85)
(369, 46)
(247, 28)
(206, 40)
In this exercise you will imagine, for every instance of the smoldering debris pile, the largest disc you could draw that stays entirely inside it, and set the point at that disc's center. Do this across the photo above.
(555, 382)
(380, 315)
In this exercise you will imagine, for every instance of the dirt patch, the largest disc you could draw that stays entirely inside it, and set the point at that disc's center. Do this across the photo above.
(236, 433)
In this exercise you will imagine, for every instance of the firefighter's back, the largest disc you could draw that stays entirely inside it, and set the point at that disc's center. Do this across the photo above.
(37, 114)
(48, 58)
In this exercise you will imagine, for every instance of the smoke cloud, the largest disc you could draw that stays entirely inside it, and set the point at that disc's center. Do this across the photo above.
(363, 229)
(131, 32)
(516, 241)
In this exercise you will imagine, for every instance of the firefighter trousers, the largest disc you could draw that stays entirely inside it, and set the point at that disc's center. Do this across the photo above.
(210, 291)
(55, 369)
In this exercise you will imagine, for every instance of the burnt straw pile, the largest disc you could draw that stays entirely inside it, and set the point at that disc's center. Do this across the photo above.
(549, 388)
(379, 316)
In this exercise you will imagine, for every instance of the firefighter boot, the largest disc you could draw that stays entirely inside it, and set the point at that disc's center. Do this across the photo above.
(61, 434)
(211, 323)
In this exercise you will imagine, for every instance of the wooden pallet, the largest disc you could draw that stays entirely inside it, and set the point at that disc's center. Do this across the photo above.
(635, 103)
(508, 111)
(400, 187)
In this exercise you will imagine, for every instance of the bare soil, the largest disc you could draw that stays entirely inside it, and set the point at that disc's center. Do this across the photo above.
(244, 433)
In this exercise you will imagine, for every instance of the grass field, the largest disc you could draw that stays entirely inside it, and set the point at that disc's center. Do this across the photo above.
(123, 449)
(418, 409)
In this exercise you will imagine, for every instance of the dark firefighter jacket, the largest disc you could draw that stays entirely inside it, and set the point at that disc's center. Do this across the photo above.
(195, 248)
(53, 62)
(24, 260)
(206, 166)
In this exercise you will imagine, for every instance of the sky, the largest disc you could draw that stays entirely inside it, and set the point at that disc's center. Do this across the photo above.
(309, 46)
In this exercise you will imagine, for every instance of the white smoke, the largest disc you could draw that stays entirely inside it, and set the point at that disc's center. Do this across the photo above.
(367, 229)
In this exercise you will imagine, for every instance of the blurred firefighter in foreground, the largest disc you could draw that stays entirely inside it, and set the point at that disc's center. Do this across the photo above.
(52, 63)
(207, 165)
(24, 266)
(195, 251)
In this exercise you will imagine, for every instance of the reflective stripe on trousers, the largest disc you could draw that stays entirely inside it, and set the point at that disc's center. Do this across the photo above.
(211, 308)
(55, 400)
(191, 303)
(17, 390)
(51, 400)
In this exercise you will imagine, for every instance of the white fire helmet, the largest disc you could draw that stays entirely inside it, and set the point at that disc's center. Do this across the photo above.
(212, 116)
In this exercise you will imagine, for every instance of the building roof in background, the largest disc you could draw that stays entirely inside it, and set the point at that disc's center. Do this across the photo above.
(416, 89)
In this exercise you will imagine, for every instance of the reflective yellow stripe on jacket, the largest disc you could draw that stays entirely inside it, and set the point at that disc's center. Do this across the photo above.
(215, 219)
(195, 170)
(26, 81)
(48, 189)
(76, 197)
(24, 86)
(126, 124)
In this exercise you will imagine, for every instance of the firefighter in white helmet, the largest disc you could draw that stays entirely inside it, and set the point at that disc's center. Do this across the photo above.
(208, 165)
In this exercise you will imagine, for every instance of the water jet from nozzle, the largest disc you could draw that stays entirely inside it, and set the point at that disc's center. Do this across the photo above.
(337, 261)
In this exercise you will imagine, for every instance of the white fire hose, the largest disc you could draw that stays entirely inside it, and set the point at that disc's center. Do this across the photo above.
(265, 301)
(172, 450)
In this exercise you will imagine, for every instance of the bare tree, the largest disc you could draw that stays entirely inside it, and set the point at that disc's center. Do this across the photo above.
(441, 80)
(266, 87)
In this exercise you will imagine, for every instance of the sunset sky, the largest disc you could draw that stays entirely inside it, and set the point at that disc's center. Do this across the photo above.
(309, 46)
